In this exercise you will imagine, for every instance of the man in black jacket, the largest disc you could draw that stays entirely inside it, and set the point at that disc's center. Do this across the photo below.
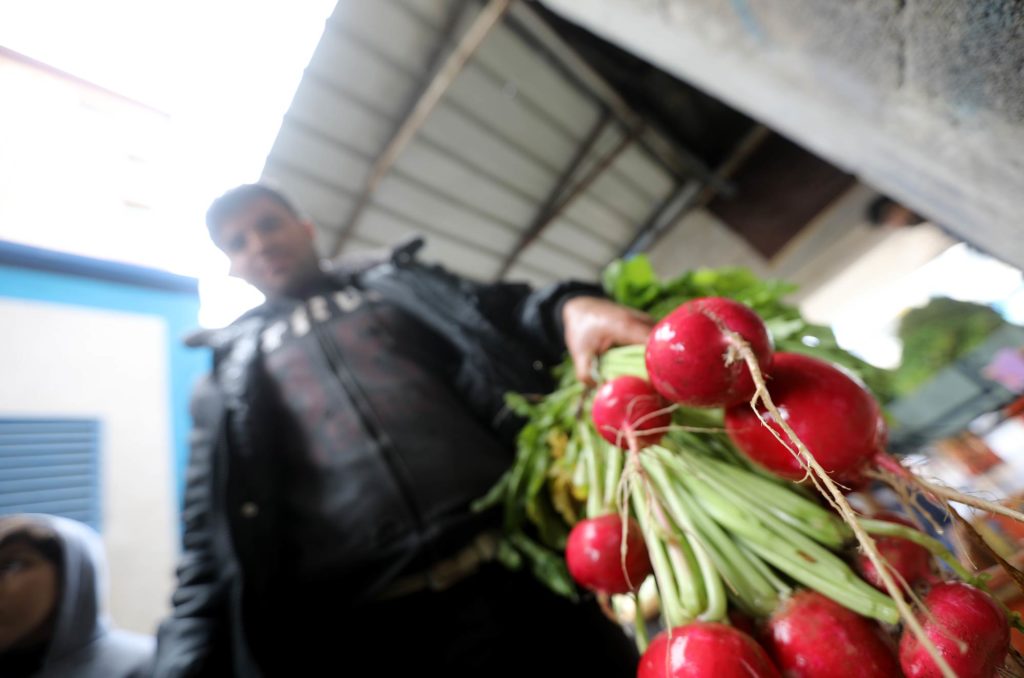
(345, 429)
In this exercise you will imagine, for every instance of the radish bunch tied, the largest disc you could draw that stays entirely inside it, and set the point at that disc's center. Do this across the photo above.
(714, 467)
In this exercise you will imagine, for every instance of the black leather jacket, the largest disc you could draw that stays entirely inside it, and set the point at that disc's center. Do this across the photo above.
(507, 337)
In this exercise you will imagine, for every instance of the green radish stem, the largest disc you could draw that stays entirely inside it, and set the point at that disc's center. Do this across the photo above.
(685, 567)
(593, 505)
(841, 587)
(738, 486)
(669, 595)
(572, 453)
(623, 360)
(795, 510)
(681, 559)
(752, 584)
(639, 623)
(755, 593)
(768, 573)
(787, 549)
(796, 555)
(595, 494)
(715, 599)
(579, 472)
(937, 548)
(613, 471)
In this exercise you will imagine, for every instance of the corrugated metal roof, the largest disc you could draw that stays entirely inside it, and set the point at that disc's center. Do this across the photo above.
(482, 167)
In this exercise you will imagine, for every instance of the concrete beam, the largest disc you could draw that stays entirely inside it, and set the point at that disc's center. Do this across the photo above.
(919, 98)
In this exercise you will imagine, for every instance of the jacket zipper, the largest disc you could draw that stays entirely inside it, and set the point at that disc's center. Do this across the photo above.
(340, 369)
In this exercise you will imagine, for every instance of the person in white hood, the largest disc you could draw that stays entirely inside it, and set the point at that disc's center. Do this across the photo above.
(52, 584)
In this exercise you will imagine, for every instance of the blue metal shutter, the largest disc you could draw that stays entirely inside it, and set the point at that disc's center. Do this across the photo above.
(51, 466)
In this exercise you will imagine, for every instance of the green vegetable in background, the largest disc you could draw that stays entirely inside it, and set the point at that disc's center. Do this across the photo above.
(937, 334)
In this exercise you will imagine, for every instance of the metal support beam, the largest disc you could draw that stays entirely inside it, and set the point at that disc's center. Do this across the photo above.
(694, 195)
(486, 20)
(559, 199)
(679, 161)
(666, 213)
(537, 225)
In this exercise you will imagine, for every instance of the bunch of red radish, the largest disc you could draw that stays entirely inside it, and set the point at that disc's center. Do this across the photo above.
(699, 356)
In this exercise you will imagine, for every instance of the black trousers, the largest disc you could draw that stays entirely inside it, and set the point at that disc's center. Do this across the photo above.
(496, 623)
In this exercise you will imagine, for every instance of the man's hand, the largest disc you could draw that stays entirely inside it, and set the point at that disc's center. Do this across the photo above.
(594, 325)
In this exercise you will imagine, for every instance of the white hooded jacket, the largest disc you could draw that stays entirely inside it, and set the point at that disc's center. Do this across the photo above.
(84, 645)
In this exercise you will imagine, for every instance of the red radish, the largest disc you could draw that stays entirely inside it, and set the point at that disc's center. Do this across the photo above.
(834, 415)
(815, 637)
(883, 433)
(742, 622)
(627, 407)
(859, 480)
(969, 629)
(593, 553)
(705, 650)
(912, 561)
(691, 362)
(856, 481)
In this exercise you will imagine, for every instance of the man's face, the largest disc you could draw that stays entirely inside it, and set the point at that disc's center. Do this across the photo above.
(268, 247)
(28, 595)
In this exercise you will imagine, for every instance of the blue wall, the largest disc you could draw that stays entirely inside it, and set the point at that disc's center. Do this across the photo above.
(41, 275)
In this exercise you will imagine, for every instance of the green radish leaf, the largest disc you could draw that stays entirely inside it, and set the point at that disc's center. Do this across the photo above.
(519, 404)
(536, 477)
(632, 281)
(782, 328)
(508, 555)
(548, 567)
(495, 496)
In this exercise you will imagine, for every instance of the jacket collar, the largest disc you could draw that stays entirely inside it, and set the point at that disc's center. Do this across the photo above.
(343, 269)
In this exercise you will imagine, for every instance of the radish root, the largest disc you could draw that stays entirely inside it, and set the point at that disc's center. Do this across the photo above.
(834, 495)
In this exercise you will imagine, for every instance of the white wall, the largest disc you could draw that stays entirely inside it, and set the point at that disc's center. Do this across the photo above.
(874, 271)
(838, 258)
(62, 360)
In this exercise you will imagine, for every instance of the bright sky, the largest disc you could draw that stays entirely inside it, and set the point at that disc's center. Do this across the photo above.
(224, 71)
